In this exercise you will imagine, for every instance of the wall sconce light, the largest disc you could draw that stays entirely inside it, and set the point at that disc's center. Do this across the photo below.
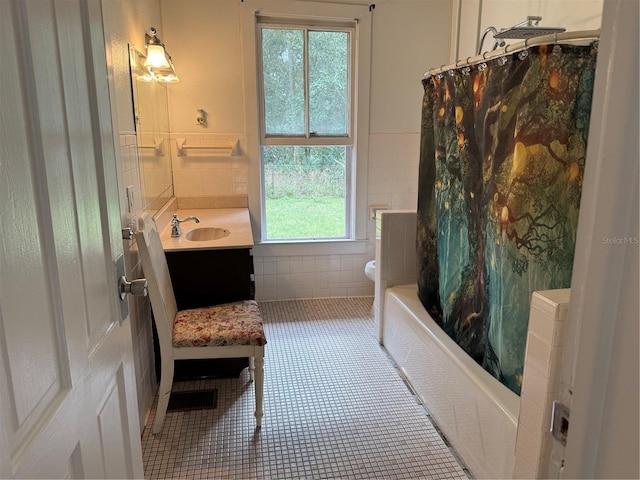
(158, 60)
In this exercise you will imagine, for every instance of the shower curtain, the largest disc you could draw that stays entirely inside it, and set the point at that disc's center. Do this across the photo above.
(502, 159)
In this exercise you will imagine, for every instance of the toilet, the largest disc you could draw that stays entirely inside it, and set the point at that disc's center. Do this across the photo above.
(370, 270)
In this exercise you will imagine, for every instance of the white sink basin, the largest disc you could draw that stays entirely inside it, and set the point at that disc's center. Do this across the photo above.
(205, 234)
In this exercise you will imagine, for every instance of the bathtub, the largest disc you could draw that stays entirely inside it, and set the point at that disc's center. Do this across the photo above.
(476, 413)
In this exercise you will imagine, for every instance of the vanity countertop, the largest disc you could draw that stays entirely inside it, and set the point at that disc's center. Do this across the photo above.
(236, 220)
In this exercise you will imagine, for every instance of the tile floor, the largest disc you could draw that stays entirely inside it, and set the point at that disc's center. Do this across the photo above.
(334, 407)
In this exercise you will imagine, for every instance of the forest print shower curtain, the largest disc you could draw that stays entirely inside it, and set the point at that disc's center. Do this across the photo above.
(502, 160)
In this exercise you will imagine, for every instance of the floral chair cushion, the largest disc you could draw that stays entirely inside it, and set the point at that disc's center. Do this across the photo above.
(237, 323)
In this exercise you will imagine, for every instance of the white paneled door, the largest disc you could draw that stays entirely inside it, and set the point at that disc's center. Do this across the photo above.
(67, 387)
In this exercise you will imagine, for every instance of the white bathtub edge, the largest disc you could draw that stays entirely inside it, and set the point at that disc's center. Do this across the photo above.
(476, 413)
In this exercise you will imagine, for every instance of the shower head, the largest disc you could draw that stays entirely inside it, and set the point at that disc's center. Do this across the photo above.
(528, 29)
(528, 32)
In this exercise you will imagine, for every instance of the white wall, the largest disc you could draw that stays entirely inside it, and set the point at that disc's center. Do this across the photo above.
(502, 14)
(408, 38)
(126, 22)
(204, 40)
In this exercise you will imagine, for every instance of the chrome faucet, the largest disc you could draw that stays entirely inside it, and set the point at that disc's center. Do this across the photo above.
(176, 231)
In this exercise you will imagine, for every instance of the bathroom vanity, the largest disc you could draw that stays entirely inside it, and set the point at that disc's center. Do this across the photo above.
(208, 271)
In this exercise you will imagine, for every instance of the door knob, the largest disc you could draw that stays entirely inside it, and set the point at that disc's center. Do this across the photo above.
(137, 287)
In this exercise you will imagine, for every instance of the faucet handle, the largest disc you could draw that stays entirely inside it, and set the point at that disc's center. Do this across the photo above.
(175, 226)
(176, 231)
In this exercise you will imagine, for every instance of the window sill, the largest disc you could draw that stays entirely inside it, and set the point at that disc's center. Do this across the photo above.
(295, 248)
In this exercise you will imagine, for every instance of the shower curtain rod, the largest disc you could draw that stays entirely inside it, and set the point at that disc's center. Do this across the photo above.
(516, 47)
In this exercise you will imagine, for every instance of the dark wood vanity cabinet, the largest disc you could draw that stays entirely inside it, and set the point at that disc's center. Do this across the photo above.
(209, 277)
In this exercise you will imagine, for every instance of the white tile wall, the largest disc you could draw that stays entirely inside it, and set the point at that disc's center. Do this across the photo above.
(139, 308)
(393, 170)
(395, 255)
(541, 382)
(130, 175)
(311, 276)
(207, 172)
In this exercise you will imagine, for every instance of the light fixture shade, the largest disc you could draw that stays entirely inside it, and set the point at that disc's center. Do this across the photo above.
(166, 75)
(171, 78)
(156, 57)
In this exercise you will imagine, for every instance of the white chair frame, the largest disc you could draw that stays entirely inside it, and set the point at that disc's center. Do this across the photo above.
(164, 307)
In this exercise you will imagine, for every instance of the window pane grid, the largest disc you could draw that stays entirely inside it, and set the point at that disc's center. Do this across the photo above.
(283, 82)
(306, 192)
(328, 74)
(306, 82)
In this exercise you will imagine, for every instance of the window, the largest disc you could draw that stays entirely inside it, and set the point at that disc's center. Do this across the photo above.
(306, 85)
(347, 133)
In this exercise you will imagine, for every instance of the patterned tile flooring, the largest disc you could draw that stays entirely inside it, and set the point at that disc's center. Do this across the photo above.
(334, 407)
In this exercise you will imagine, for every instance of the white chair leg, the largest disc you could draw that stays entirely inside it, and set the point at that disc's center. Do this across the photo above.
(252, 369)
(259, 386)
(164, 392)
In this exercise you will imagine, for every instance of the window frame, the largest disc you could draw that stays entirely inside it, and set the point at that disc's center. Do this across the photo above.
(308, 139)
(313, 13)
